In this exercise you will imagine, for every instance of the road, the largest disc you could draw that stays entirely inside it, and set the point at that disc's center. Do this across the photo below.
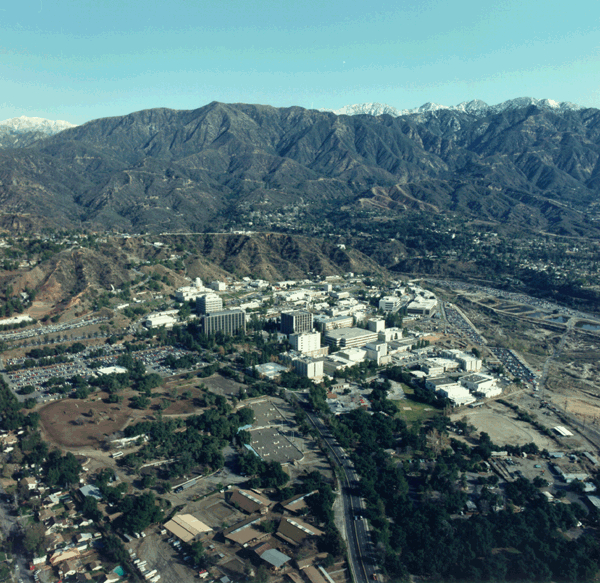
(555, 354)
(360, 547)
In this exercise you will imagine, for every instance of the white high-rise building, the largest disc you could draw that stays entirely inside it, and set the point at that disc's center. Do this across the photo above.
(208, 303)
(306, 342)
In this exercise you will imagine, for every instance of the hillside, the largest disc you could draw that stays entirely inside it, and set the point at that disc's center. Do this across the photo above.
(166, 170)
(82, 271)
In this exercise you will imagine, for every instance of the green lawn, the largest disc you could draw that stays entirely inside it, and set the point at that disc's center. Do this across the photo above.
(418, 413)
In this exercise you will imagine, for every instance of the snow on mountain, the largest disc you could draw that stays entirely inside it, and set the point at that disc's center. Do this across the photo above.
(23, 124)
(475, 107)
(366, 108)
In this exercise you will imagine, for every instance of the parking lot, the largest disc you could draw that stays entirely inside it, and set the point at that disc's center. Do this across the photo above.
(79, 364)
(512, 364)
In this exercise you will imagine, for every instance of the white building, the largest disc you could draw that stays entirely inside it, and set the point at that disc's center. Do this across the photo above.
(389, 334)
(481, 384)
(422, 306)
(350, 337)
(324, 323)
(209, 303)
(440, 383)
(190, 292)
(458, 395)
(355, 355)
(309, 368)
(389, 303)
(218, 285)
(377, 351)
(167, 319)
(308, 343)
(468, 362)
(376, 325)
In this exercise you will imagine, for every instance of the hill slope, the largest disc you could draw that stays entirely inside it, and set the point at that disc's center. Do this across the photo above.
(168, 170)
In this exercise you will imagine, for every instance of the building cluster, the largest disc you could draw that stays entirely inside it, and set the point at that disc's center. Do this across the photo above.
(72, 542)
(456, 375)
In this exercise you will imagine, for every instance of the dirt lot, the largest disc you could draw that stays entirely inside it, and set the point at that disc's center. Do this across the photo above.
(60, 421)
(500, 424)
(74, 423)
(222, 386)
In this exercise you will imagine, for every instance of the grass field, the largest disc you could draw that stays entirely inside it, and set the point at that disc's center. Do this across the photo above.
(414, 412)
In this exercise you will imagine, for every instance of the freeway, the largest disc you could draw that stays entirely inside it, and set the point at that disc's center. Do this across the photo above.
(360, 548)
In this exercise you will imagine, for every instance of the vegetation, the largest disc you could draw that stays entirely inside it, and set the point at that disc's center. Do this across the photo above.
(414, 515)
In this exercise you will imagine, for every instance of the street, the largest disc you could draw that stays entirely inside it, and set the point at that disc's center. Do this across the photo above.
(360, 551)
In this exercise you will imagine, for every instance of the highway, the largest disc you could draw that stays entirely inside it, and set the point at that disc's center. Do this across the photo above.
(360, 547)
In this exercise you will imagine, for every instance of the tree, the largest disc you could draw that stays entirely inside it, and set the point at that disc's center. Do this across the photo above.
(196, 552)
(89, 509)
(34, 539)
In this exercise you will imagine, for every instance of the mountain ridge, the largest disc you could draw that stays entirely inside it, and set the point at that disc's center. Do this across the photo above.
(188, 170)
(24, 131)
(475, 107)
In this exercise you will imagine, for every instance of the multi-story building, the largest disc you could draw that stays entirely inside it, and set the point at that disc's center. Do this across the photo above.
(296, 322)
(324, 323)
(307, 342)
(226, 321)
(208, 303)
(349, 337)
(307, 367)
(389, 303)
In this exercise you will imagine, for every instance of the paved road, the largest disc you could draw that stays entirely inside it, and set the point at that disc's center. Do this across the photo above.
(360, 547)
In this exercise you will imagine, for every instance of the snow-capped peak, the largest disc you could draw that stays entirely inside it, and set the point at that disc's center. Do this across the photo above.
(475, 107)
(23, 124)
(366, 109)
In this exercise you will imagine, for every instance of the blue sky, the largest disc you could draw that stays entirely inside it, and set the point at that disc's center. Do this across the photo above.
(78, 60)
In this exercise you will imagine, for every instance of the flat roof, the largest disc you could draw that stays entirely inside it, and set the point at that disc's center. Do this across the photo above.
(349, 333)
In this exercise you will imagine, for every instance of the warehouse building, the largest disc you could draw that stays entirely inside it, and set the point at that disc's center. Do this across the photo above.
(187, 528)
(250, 501)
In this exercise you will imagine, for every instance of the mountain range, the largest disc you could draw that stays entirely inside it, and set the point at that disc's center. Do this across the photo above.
(474, 107)
(19, 132)
(528, 163)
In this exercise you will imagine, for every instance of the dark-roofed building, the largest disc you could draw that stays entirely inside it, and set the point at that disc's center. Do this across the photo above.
(294, 530)
(313, 575)
(297, 503)
(246, 533)
(250, 501)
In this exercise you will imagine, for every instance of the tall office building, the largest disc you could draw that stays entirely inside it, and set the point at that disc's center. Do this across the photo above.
(208, 303)
(296, 322)
(226, 321)
(306, 342)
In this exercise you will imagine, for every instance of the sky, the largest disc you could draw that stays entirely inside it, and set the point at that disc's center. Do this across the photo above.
(78, 60)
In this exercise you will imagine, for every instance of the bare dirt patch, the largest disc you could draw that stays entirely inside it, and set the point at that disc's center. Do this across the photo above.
(222, 386)
(74, 423)
(504, 429)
